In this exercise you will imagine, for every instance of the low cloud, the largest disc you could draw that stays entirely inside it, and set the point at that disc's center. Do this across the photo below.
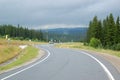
(52, 26)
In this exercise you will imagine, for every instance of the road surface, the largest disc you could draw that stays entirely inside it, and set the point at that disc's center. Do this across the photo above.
(64, 64)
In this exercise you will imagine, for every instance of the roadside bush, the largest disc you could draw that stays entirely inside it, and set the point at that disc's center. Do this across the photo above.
(112, 47)
(85, 44)
(95, 43)
(117, 47)
(15, 38)
(27, 38)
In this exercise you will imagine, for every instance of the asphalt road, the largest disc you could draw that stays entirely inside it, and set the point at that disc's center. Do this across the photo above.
(64, 64)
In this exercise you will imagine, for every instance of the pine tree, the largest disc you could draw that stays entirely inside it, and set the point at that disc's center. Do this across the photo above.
(89, 32)
(94, 27)
(107, 31)
(99, 30)
(111, 30)
(20, 32)
(105, 38)
(94, 30)
(117, 30)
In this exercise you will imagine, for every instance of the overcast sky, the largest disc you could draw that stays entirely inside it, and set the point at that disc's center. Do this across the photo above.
(55, 13)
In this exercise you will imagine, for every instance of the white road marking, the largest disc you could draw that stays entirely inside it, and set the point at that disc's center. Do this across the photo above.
(27, 67)
(110, 76)
(101, 64)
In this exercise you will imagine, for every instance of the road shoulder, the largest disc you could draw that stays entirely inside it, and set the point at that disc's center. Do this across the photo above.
(114, 60)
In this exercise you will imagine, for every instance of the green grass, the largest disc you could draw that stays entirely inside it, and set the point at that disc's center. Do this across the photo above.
(8, 52)
(28, 54)
(81, 46)
(11, 49)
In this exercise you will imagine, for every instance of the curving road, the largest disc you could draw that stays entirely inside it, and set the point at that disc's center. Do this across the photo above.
(64, 64)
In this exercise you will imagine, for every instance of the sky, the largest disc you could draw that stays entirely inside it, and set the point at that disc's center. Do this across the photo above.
(44, 14)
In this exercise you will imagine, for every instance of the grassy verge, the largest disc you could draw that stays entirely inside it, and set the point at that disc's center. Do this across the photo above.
(10, 49)
(28, 54)
(81, 46)
(8, 52)
(18, 42)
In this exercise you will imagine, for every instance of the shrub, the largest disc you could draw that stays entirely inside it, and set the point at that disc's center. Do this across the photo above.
(95, 43)
(117, 47)
(85, 44)
(112, 47)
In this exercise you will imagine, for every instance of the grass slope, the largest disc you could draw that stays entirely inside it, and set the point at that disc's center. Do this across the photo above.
(28, 54)
(7, 51)
(81, 46)
(10, 49)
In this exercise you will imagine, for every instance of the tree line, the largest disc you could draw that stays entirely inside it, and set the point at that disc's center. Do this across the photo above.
(20, 32)
(106, 32)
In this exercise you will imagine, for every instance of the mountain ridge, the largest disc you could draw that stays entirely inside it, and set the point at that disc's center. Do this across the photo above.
(66, 34)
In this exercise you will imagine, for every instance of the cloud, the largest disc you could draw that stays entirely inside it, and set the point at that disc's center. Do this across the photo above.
(58, 26)
(35, 13)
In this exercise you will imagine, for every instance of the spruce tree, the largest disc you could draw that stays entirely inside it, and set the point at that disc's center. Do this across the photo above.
(89, 32)
(94, 27)
(99, 31)
(105, 38)
(118, 30)
(111, 30)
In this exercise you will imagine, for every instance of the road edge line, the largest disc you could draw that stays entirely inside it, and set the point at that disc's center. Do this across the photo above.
(110, 76)
(28, 66)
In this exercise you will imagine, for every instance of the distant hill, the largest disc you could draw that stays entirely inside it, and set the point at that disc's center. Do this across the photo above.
(65, 34)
